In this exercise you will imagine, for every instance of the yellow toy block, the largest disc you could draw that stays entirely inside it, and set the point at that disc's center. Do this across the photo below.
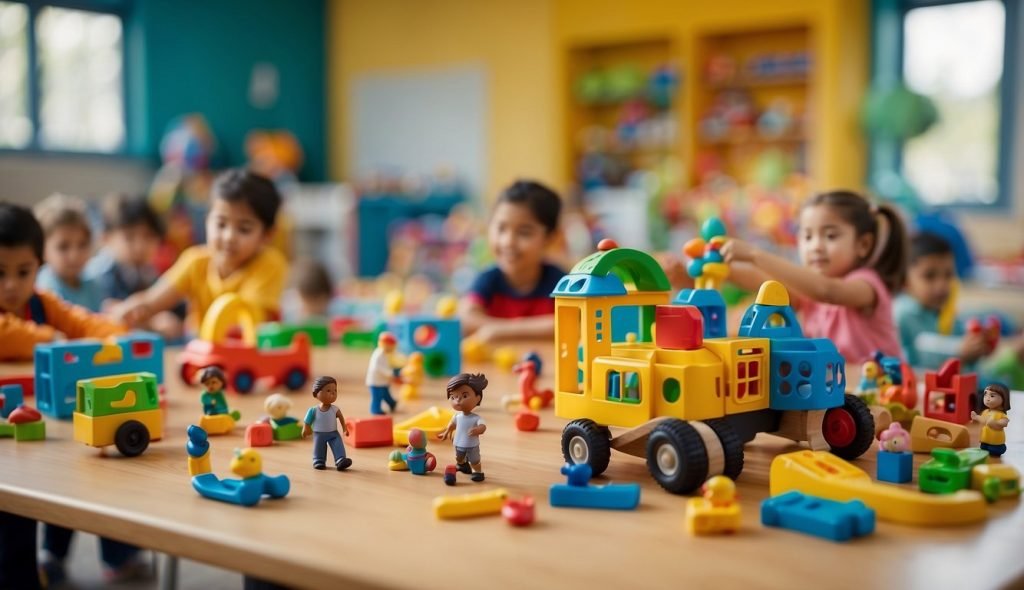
(467, 505)
(199, 465)
(100, 431)
(1006, 476)
(928, 433)
(821, 474)
(717, 511)
(431, 421)
(217, 423)
(739, 355)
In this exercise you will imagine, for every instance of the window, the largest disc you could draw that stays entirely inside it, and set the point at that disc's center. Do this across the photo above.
(61, 78)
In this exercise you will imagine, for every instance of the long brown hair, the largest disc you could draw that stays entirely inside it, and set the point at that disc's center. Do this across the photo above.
(889, 258)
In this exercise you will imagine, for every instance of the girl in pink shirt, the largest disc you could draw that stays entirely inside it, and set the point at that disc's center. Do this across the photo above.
(854, 258)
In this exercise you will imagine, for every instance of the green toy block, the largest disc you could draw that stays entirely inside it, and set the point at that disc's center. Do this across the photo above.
(275, 335)
(948, 470)
(291, 431)
(30, 431)
(6, 430)
(355, 339)
(106, 396)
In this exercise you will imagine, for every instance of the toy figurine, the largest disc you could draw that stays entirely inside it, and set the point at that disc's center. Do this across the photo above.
(412, 376)
(380, 373)
(247, 464)
(895, 461)
(285, 427)
(213, 400)
(466, 391)
(416, 459)
(994, 419)
(322, 422)
(869, 379)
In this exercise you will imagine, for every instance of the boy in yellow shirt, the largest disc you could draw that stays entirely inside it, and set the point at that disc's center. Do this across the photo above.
(235, 259)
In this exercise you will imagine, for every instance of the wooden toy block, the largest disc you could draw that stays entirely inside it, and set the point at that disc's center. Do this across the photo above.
(928, 433)
(828, 519)
(375, 431)
(259, 434)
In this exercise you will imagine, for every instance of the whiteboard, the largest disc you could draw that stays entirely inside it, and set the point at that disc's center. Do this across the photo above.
(416, 123)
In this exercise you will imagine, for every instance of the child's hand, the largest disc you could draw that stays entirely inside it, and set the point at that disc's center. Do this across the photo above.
(443, 434)
(476, 431)
(132, 311)
(973, 347)
(486, 333)
(306, 430)
(735, 250)
(674, 270)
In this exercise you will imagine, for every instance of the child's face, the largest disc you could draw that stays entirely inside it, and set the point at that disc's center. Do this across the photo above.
(328, 394)
(67, 250)
(314, 306)
(517, 239)
(18, 269)
(829, 244)
(993, 400)
(133, 245)
(930, 279)
(234, 234)
(463, 398)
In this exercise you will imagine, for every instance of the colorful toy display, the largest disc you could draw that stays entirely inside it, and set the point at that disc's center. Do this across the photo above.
(243, 363)
(828, 519)
(412, 377)
(735, 387)
(896, 381)
(246, 464)
(716, 511)
(416, 459)
(948, 470)
(465, 392)
(993, 419)
(895, 461)
(928, 433)
(381, 371)
(284, 426)
(950, 395)
(578, 493)
(433, 421)
(276, 335)
(322, 423)
(468, 505)
(122, 410)
(439, 340)
(23, 424)
(60, 365)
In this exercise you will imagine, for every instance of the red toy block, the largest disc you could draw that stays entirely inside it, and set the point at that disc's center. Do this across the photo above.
(678, 327)
(259, 434)
(27, 383)
(527, 421)
(375, 431)
(950, 395)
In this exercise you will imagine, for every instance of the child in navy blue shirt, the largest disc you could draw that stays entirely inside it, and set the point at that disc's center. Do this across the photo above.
(513, 298)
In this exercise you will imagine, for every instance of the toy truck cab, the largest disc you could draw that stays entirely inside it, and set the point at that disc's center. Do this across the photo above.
(121, 410)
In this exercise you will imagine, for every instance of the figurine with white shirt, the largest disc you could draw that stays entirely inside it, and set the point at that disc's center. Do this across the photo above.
(382, 372)
(466, 392)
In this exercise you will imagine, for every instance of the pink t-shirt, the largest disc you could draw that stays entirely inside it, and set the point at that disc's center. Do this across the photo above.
(856, 334)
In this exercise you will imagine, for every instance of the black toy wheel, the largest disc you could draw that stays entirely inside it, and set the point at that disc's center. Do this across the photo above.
(132, 438)
(676, 457)
(849, 430)
(732, 446)
(584, 441)
(243, 381)
(295, 378)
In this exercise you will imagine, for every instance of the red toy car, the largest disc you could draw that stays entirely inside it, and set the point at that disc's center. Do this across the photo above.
(244, 364)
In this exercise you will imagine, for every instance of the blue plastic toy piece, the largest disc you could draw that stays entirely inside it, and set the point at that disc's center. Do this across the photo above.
(891, 366)
(806, 374)
(895, 467)
(828, 519)
(14, 396)
(577, 493)
(244, 492)
(587, 285)
(534, 358)
(711, 306)
(60, 365)
(439, 339)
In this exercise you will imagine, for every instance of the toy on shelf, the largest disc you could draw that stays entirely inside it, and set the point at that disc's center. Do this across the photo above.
(771, 378)
(247, 464)
(416, 459)
(578, 493)
(122, 410)
(433, 421)
(276, 335)
(467, 505)
(949, 471)
(412, 377)
(376, 431)
(950, 395)
(60, 365)
(518, 511)
(23, 424)
(381, 372)
(993, 420)
(928, 433)
(895, 461)
(821, 474)
(322, 422)
(996, 481)
(527, 372)
(243, 362)
(284, 426)
(716, 511)
(465, 391)
(828, 519)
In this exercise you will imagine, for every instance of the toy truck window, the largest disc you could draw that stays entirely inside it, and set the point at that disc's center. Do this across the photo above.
(748, 373)
(142, 349)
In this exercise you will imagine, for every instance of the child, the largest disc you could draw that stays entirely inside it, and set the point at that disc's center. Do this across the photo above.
(994, 419)
(466, 392)
(315, 290)
(320, 422)
(512, 299)
(235, 259)
(853, 256)
(67, 250)
(930, 274)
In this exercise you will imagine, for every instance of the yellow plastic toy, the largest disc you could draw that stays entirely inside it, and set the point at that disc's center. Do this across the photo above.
(821, 474)
(217, 423)
(717, 511)
(466, 505)
(446, 307)
(431, 421)
(1006, 478)
(412, 376)
(121, 410)
(505, 358)
(474, 351)
(947, 315)
(226, 312)
(928, 433)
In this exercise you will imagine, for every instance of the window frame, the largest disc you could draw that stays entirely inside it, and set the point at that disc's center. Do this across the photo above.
(888, 18)
(118, 8)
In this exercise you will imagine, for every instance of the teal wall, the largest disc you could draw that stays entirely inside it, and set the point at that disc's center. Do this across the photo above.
(197, 56)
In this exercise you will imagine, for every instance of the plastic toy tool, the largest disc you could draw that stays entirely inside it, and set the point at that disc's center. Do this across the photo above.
(828, 519)
(578, 493)
(824, 475)
(247, 464)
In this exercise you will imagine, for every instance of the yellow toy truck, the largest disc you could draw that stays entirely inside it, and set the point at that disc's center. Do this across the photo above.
(122, 410)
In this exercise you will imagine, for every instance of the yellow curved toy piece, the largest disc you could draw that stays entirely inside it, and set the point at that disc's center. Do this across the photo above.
(217, 423)
(947, 315)
(108, 354)
(227, 311)
(772, 293)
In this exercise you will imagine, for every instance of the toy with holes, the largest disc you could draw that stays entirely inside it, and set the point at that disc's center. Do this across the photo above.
(993, 420)
(121, 410)
(23, 423)
(928, 433)
(949, 471)
(708, 270)
(243, 363)
(412, 377)
(60, 365)
(949, 394)
(689, 404)
(828, 519)
(416, 459)
(716, 511)
(277, 335)
(895, 461)
(247, 464)
(578, 493)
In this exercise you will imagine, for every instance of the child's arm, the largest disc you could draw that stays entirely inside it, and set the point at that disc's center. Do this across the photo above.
(307, 422)
(448, 430)
(18, 337)
(493, 329)
(746, 276)
(142, 306)
(77, 322)
(341, 418)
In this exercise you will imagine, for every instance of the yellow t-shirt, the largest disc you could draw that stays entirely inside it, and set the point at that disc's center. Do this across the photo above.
(990, 435)
(259, 282)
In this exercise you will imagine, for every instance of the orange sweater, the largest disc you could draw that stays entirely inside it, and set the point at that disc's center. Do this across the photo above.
(19, 336)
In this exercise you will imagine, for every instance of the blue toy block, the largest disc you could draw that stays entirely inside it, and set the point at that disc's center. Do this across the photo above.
(244, 492)
(587, 285)
(577, 493)
(836, 521)
(439, 339)
(895, 467)
(711, 305)
(60, 365)
(805, 374)
(770, 321)
(891, 366)
(14, 396)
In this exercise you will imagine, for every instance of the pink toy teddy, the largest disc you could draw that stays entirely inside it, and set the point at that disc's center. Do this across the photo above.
(894, 439)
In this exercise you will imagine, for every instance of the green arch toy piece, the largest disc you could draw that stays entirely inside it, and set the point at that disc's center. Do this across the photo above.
(635, 268)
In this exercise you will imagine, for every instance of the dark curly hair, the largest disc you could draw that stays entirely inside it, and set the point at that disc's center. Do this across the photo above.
(476, 381)
(321, 382)
(213, 372)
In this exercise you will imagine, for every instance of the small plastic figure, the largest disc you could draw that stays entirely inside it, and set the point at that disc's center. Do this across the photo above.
(894, 439)
(412, 376)
(466, 391)
(277, 406)
(322, 422)
(380, 373)
(993, 420)
(868, 379)
(213, 400)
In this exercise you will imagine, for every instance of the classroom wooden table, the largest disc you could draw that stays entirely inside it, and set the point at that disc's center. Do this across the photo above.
(374, 528)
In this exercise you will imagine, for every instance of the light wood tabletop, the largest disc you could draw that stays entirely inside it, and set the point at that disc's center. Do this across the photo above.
(370, 527)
